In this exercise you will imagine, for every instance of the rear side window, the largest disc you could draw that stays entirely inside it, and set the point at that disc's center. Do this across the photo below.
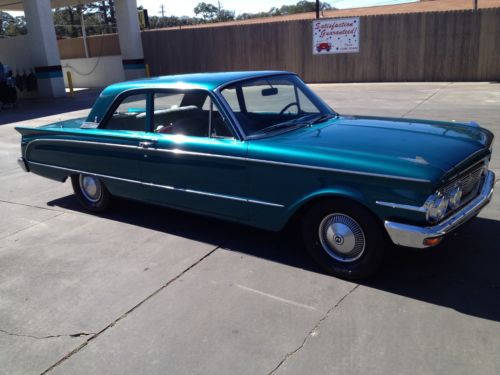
(190, 113)
(129, 115)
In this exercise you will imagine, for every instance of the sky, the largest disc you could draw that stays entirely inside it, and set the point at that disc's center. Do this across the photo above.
(185, 7)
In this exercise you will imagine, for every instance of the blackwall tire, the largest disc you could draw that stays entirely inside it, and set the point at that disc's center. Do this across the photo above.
(91, 192)
(344, 238)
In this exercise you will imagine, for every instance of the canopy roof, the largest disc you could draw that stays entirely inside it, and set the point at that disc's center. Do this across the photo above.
(13, 5)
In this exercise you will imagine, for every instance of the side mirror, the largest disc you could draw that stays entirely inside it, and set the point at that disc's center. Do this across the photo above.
(270, 91)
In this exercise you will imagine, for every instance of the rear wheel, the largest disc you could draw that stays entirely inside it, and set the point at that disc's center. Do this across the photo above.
(344, 238)
(91, 192)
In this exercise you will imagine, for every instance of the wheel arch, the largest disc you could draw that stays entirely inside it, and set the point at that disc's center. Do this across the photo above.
(300, 207)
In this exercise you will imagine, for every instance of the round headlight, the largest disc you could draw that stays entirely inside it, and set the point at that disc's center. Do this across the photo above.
(455, 197)
(437, 205)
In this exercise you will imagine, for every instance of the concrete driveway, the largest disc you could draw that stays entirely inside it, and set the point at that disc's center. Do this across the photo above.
(143, 289)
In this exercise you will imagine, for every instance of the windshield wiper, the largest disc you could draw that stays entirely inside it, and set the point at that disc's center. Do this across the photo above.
(323, 118)
(282, 125)
(295, 123)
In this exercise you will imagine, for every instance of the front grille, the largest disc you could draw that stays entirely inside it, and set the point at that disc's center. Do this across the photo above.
(470, 182)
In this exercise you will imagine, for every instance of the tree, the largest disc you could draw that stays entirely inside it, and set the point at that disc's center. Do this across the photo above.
(225, 15)
(99, 17)
(300, 7)
(12, 26)
(208, 11)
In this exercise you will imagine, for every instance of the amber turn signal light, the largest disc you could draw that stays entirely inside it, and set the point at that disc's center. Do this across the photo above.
(432, 241)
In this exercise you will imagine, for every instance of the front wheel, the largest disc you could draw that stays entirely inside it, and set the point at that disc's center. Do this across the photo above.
(344, 238)
(91, 192)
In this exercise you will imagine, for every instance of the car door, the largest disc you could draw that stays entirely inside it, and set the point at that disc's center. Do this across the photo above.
(191, 157)
(112, 151)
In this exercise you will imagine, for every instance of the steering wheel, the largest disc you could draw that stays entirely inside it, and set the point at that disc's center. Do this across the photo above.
(288, 106)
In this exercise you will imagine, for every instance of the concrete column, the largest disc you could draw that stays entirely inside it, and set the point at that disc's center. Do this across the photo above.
(44, 49)
(129, 35)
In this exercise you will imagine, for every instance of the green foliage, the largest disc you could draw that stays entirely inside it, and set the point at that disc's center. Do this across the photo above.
(99, 18)
(11, 26)
(212, 13)
(207, 11)
(301, 7)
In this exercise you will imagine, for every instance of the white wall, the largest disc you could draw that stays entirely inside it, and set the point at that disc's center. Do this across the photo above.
(16, 53)
(94, 72)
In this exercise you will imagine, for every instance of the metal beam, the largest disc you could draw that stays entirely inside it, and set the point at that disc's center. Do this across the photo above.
(17, 5)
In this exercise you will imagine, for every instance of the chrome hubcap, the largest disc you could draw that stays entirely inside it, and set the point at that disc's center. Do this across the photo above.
(342, 237)
(91, 188)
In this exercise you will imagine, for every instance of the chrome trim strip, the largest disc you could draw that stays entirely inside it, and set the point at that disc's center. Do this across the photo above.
(167, 187)
(178, 151)
(414, 236)
(84, 172)
(402, 206)
(265, 203)
(340, 170)
(84, 142)
(194, 153)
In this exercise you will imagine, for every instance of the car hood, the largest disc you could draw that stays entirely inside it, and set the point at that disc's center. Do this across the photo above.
(410, 148)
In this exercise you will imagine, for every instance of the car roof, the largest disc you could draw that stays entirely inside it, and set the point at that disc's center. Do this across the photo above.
(203, 81)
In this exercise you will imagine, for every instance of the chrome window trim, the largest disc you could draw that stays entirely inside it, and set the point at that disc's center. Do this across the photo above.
(286, 164)
(231, 117)
(218, 92)
(167, 187)
(402, 206)
(153, 90)
(263, 75)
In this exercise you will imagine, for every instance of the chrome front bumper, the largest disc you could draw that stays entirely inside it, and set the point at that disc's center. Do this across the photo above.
(22, 163)
(414, 236)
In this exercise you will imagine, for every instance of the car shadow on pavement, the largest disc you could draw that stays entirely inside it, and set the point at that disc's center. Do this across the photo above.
(461, 274)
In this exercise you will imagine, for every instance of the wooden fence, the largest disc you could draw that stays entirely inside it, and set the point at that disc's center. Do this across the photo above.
(439, 46)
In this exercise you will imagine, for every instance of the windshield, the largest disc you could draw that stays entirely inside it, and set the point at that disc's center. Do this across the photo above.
(276, 103)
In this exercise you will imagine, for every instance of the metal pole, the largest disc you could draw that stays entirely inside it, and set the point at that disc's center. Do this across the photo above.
(70, 83)
(475, 4)
(84, 34)
(317, 8)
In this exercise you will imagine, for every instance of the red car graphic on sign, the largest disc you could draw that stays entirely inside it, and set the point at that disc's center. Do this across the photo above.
(323, 46)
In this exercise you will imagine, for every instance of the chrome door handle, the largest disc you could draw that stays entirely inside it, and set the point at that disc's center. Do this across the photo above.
(146, 144)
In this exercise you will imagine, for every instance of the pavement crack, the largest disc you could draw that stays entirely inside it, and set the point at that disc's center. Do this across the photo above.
(428, 98)
(124, 315)
(34, 206)
(31, 226)
(310, 333)
(79, 334)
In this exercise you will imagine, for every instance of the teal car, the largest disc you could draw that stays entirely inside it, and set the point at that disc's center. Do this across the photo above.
(260, 148)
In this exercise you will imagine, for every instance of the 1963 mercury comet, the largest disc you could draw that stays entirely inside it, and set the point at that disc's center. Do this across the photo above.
(261, 148)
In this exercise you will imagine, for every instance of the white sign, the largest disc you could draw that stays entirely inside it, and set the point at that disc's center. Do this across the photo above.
(338, 35)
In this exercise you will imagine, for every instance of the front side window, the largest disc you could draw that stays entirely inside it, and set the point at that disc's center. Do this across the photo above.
(130, 114)
(190, 113)
(266, 104)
